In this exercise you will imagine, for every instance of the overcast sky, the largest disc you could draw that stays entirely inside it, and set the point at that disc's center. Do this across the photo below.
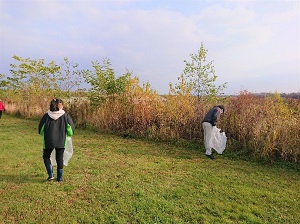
(254, 45)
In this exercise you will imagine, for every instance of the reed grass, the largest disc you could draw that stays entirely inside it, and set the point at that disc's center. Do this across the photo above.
(266, 128)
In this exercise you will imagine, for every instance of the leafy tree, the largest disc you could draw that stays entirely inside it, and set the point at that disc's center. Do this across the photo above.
(180, 88)
(3, 86)
(33, 82)
(71, 77)
(33, 75)
(3, 82)
(104, 83)
(201, 76)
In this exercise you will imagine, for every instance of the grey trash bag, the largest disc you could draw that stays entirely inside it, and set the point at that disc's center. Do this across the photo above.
(67, 154)
(218, 140)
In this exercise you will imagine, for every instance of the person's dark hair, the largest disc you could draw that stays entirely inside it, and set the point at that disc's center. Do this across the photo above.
(222, 107)
(54, 104)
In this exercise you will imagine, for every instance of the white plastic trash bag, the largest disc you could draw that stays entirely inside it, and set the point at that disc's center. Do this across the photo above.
(218, 140)
(67, 154)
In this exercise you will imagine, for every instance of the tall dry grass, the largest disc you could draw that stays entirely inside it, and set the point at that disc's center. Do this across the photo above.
(266, 127)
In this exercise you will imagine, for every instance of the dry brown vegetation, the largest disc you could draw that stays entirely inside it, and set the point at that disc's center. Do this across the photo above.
(266, 127)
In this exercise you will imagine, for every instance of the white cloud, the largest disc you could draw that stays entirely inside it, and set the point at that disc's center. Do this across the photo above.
(245, 39)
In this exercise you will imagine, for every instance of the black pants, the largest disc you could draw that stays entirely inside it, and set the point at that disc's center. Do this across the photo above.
(0, 113)
(59, 157)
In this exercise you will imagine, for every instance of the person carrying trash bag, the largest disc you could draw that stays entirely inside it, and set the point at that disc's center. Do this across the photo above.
(212, 136)
(55, 126)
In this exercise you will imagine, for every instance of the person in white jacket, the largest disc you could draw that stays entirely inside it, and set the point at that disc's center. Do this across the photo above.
(210, 120)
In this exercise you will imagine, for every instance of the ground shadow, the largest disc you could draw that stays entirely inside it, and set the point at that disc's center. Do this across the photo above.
(21, 178)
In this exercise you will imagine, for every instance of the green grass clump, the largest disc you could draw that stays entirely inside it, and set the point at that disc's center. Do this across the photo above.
(112, 179)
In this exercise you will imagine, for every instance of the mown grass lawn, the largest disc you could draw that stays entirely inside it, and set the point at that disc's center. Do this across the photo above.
(112, 179)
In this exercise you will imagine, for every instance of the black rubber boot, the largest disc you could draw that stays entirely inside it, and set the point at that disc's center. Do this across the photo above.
(59, 175)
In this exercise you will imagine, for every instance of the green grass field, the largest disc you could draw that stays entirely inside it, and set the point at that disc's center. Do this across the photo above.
(112, 179)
